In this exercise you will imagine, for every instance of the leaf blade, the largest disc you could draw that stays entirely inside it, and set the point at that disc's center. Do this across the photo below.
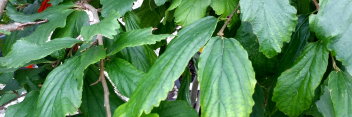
(135, 38)
(165, 71)
(335, 31)
(273, 32)
(62, 90)
(24, 51)
(295, 87)
(227, 79)
(124, 76)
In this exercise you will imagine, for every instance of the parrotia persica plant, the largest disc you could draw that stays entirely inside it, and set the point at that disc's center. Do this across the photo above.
(176, 58)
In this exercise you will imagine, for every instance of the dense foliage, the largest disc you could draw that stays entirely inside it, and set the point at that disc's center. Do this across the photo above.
(176, 58)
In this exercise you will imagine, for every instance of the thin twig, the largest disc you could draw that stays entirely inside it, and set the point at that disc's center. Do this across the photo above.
(334, 63)
(194, 91)
(102, 69)
(19, 26)
(316, 4)
(5, 104)
(2, 6)
(221, 32)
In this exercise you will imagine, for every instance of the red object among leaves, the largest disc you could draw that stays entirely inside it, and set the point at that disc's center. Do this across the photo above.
(30, 66)
(44, 5)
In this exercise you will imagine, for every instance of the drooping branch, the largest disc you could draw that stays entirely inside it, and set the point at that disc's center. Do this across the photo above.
(99, 37)
(2, 6)
(221, 31)
(19, 26)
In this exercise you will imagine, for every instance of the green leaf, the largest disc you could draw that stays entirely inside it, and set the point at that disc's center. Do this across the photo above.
(160, 2)
(337, 30)
(135, 38)
(262, 65)
(13, 37)
(119, 6)
(325, 105)
(107, 27)
(31, 78)
(124, 76)
(151, 115)
(75, 21)
(273, 22)
(149, 14)
(55, 2)
(50, 13)
(227, 79)
(177, 108)
(24, 51)
(140, 56)
(156, 84)
(93, 96)
(224, 7)
(299, 39)
(25, 108)
(189, 11)
(6, 97)
(294, 91)
(56, 17)
(340, 85)
(61, 93)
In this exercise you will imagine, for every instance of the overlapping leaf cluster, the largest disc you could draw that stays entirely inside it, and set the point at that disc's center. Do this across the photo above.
(276, 58)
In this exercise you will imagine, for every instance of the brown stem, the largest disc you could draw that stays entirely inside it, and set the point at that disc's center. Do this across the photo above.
(106, 89)
(2, 6)
(316, 4)
(334, 63)
(102, 69)
(221, 32)
(3, 106)
(19, 26)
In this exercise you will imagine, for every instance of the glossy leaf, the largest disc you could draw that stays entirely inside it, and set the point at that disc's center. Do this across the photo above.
(325, 105)
(335, 28)
(156, 84)
(93, 96)
(107, 27)
(294, 91)
(56, 17)
(227, 79)
(124, 76)
(74, 23)
(119, 6)
(273, 22)
(25, 108)
(135, 38)
(13, 37)
(142, 57)
(189, 11)
(224, 7)
(23, 51)
(61, 93)
(177, 108)
(340, 85)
